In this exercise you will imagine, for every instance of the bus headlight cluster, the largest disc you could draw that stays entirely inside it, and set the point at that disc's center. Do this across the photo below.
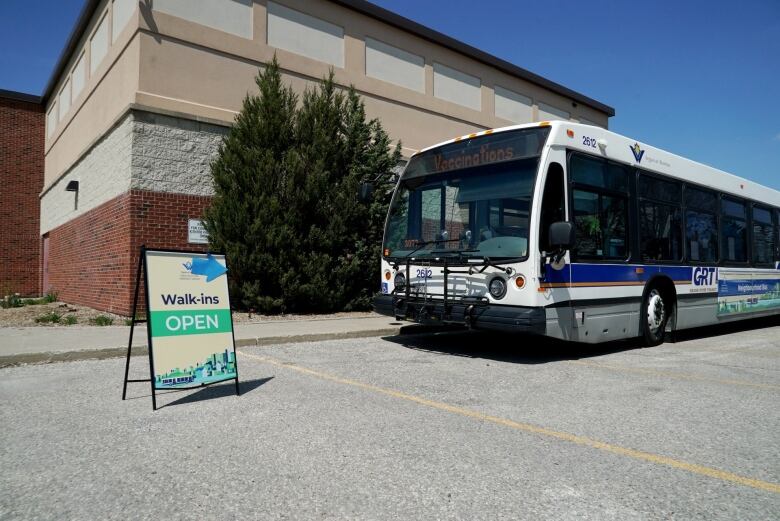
(400, 280)
(497, 288)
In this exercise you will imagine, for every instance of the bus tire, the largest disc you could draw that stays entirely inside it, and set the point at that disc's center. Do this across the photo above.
(656, 309)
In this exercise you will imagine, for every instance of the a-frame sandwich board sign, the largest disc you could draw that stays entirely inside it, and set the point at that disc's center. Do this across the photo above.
(188, 320)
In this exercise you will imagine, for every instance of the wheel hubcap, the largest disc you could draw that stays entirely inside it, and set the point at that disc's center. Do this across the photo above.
(656, 312)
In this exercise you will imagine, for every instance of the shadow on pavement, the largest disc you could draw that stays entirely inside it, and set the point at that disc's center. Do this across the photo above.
(218, 391)
(506, 347)
(529, 349)
(727, 328)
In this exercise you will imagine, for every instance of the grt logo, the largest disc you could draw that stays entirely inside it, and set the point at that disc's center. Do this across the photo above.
(704, 276)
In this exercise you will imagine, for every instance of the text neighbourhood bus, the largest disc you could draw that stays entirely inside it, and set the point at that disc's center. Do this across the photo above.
(578, 233)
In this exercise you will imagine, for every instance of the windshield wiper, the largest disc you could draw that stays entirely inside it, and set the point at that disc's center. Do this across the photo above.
(421, 244)
(456, 253)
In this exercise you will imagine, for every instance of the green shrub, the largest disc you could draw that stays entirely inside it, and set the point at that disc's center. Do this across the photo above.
(51, 296)
(101, 320)
(70, 320)
(49, 318)
(286, 209)
(11, 301)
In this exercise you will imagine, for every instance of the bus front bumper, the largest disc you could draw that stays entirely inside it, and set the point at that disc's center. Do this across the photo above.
(476, 315)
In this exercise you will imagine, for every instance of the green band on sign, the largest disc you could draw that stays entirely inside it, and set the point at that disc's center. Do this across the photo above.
(194, 322)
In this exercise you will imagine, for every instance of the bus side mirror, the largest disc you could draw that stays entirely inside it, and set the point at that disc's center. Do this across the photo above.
(561, 236)
(365, 191)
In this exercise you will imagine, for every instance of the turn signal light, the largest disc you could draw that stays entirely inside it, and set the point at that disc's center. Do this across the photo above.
(570, 132)
(387, 275)
(520, 282)
(387, 252)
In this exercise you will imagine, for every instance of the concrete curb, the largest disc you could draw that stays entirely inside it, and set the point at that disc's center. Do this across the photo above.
(114, 352)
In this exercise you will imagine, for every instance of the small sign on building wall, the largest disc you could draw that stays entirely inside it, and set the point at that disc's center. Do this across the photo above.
(196, 232)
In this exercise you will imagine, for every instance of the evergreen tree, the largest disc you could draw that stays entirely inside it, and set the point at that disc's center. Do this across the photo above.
(286, 210)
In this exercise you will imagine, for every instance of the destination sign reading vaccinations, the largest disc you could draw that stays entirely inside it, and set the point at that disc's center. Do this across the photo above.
(190, 324)
(479, 151)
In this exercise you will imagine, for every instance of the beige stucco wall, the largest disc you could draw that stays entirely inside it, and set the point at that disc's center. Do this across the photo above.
(105, 98)
(166, 64)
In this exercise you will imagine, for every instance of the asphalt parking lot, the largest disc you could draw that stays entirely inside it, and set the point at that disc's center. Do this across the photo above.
(446, 426)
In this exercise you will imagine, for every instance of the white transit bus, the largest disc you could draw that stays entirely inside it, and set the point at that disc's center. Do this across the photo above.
(575, 232)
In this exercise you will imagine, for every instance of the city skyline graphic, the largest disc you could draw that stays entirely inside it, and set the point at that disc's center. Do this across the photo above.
(214, 368)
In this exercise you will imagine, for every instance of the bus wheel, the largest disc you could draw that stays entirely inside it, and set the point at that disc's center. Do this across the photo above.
(655, 314)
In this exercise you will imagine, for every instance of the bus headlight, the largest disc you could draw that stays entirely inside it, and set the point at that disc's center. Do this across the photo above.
(399, 281)
(497, 288)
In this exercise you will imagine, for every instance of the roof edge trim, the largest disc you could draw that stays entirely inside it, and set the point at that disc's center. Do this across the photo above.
(20, 96)
(403, 23)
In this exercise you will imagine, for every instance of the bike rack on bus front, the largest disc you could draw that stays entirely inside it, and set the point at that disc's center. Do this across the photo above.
(427, 306)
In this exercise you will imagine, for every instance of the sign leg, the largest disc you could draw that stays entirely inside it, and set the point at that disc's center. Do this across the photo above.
(149, 328)
(132, 326)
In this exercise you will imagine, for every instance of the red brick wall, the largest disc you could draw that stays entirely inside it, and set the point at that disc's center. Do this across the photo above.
(93, 258)
(21, 180)
(89, 257)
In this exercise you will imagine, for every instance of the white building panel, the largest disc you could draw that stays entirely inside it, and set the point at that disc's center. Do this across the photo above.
(64, 100)
(512, 106)
(51, 120)
(550, 113)
(305, 35)
(98, 45)
(123, 10)
(455, 86)
(78, 78)
(395, 65)
(230, 16)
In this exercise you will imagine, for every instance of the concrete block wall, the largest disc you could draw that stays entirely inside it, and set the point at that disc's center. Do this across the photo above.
(144, 151)
(173, 155)
(103, 173)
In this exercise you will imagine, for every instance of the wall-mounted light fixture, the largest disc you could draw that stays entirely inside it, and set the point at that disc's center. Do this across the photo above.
(73, 186)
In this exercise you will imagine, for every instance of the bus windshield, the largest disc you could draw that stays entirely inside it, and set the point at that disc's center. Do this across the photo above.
(469, 198)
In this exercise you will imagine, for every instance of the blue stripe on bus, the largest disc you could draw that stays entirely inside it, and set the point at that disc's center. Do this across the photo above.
(614, 273)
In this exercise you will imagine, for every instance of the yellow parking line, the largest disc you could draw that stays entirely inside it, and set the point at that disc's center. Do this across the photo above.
(672, 374)
(579, 440)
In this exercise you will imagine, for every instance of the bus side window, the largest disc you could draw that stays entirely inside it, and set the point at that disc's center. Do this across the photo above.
(701, 224)
(763, 237)
(553, 204)
(600, 192)
(733, 230)
(660, 219)
(777, 236)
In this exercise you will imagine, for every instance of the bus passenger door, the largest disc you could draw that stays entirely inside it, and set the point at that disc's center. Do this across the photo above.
(553, 209)
(553, 204)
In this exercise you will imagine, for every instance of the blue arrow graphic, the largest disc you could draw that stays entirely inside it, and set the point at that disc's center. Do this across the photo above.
(209, 267)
